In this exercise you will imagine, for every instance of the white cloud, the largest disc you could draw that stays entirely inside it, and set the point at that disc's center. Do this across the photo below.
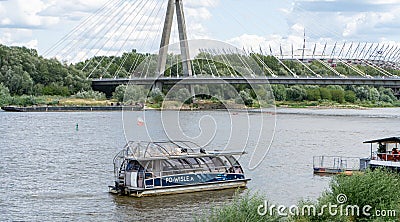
(323, 21)
(18, 37)
(368, 20)
(24, 15)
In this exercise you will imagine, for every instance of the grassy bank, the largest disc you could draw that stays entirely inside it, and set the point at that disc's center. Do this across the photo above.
(375, 193)
(26, 101)
(332, 104)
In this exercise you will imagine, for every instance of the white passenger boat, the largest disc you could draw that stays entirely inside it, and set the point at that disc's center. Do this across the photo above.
(155, 168)
(384, 153)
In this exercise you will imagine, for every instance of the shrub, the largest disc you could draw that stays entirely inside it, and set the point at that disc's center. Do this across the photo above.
(350, 96)
(119, 93)
(337, 95)
(55, 89)
(91, 95)
(279, 92)
(362, 93)
(378, 189)
(313, 94)
(242, 208)
(244, 97)
(325, 93)
(387, 95)
(374, 94)
(386, 98)
(156, 96)
(23, 100)
(130, 94)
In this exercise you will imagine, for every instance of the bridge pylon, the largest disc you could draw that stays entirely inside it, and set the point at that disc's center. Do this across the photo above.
(166, 35)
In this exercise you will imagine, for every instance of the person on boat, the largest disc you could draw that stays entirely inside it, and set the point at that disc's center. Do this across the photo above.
(395, 153)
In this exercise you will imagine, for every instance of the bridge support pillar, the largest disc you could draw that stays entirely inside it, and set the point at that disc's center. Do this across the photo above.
(159, 85)
(184, 45)
(396, 91)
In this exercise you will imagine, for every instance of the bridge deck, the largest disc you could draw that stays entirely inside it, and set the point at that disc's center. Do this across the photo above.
(377, 81)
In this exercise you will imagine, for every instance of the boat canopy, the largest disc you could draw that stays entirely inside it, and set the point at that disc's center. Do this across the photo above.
(385, 140)
(169, 150)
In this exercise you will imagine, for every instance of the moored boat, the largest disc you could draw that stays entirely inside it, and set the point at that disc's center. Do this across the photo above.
(156, 168)
(326, 165)
(385, 154)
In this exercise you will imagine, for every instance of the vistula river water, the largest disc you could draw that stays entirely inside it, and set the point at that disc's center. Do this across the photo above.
(49, 171)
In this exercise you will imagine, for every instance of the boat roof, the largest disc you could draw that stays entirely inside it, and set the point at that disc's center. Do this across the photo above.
(170, 150)
(385, 140)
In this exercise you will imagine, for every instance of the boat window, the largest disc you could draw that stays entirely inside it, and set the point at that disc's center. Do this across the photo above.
(149, 166)
(193, 161)
(133, 165)
(218, 162)
(209, 162)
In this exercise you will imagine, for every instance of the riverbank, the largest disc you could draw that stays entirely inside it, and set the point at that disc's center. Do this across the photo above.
(70, 108)
(278, 109)
(372, 196)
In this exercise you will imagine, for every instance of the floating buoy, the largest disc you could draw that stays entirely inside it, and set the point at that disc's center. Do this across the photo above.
(77, 127)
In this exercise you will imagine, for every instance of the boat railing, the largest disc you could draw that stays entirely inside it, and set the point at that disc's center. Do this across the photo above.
(388, 156)
(336, 162)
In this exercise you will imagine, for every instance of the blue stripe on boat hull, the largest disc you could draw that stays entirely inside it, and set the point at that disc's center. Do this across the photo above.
(190, 179)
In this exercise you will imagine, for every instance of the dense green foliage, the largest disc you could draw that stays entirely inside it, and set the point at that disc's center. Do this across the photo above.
(242, 208)
(363, 95)
(23, 71)
(90, 95)
(378, 189)
(377, 192)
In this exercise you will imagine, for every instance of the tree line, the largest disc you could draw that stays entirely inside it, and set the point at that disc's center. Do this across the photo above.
(25, 74)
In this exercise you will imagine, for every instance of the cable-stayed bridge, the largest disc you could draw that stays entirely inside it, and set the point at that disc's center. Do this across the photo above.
(151, 23)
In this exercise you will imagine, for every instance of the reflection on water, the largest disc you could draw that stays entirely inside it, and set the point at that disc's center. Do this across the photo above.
(184, 206)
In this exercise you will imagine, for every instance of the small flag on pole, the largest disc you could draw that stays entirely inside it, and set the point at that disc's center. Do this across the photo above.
(140, 121)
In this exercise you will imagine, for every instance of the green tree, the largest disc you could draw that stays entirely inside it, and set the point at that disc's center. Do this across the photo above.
(296, 93)
(362, 93)
(183, 95)
(55, 89)
(4, 95)
(244, 97)
(279, 92)
(119, 93)
(374, 94)
(156, 96)
(386, 95)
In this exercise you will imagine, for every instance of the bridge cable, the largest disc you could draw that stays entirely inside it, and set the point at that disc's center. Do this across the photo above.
(83, 36)
(108, 39)
(127, 38)
(206, 58)
(124, 31)
(76, 28)
(160, 27)
(113, 45)
(225, 61)
(138, 57)
(265, 66)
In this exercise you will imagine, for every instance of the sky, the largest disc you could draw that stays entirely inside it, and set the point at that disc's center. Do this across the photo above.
(41, 24)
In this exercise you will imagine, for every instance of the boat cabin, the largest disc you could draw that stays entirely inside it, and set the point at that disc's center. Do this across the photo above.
(384, 153)
(386, 149)
(148, 168)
